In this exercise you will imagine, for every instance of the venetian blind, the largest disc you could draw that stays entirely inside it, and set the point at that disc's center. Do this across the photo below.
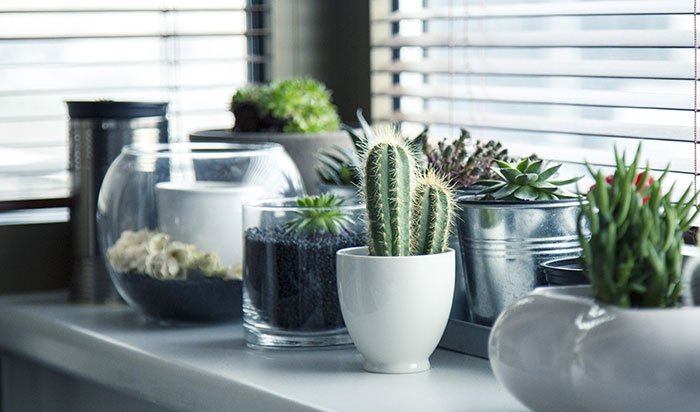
(191, 53)
(567, 80)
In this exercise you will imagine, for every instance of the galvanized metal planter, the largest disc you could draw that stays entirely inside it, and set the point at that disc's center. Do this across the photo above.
(502, 245)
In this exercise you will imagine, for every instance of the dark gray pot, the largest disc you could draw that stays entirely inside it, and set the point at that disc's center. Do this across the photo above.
(502, 245)
(302, 147)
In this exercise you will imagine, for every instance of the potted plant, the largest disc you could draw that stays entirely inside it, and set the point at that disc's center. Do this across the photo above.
(297, 113)
(289, 287)
(624, 343)
(396, 293)
(522, 218)
(465, 162)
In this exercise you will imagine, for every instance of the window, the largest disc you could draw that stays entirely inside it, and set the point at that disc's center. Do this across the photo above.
(192, 53)
(566, 79)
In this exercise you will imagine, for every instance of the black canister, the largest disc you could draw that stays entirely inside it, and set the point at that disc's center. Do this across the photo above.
(97, 132)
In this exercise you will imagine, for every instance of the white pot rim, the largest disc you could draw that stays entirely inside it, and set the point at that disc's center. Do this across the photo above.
(582, 294)
(361, 252)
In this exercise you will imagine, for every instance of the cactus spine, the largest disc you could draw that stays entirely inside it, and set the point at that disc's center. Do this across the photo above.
(433, 206)
(389, 173)
(409, 211)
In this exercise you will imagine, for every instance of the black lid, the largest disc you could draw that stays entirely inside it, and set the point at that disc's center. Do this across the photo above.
(108, 109)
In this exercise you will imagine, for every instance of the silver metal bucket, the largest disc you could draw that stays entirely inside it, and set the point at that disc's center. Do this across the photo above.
(502, 245)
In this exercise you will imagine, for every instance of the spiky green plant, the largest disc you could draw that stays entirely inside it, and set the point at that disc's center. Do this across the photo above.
(319, 214)
(409, 211)
(338, 166)
(633, 258)
(433, 207)
(528, 180)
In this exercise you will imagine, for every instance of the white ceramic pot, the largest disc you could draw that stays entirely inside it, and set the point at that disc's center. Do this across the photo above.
(557, 350)
(395, 308)
(207, 214)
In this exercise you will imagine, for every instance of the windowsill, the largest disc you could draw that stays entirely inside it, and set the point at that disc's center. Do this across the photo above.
(209, 368)
(31, 216)
(33, 192)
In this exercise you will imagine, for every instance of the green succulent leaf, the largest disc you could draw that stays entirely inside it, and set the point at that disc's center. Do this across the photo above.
(549, 172)
(506, 191)
(526, 193)
(534, 167)
(319, 214)
(523, 165)
(566, 181)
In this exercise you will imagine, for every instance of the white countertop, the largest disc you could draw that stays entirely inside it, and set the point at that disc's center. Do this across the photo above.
(209, 368)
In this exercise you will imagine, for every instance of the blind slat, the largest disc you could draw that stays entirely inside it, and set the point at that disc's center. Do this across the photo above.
(546, 38)
(145, 35)
(544, 95)
(541, 9)
(629, 69)
(542, 124)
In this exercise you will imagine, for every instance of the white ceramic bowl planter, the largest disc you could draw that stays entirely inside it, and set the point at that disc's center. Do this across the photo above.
(395, 308)
(557, 350)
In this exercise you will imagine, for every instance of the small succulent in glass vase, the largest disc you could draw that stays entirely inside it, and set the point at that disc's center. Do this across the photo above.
(633, 258)
(290, 292)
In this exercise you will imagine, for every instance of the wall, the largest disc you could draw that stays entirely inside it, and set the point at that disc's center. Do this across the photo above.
(328, 40)
(34, 256)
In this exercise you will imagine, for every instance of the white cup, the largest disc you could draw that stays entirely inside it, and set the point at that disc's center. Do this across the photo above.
(207, 214)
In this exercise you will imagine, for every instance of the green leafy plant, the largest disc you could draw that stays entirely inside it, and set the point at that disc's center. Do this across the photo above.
(409, 211)
(319, 214)
(300, 105)
(527, 180)
(633, 258)
(465, 162)
(338, 166)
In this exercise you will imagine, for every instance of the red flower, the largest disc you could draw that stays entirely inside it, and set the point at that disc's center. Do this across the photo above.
(637, 181)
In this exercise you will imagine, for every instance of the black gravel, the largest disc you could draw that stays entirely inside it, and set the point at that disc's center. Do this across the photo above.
(200, 299)
(291, 280)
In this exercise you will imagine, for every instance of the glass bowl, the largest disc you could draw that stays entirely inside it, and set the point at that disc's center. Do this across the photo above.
(169, 221)
(290, 292)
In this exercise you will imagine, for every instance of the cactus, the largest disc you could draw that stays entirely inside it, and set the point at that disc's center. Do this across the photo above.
(389, 179)
(433, 205)
(633, 258)
(409, 211)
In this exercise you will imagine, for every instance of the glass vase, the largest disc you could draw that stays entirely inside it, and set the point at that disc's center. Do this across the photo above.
(170, 223)
(290, 295)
